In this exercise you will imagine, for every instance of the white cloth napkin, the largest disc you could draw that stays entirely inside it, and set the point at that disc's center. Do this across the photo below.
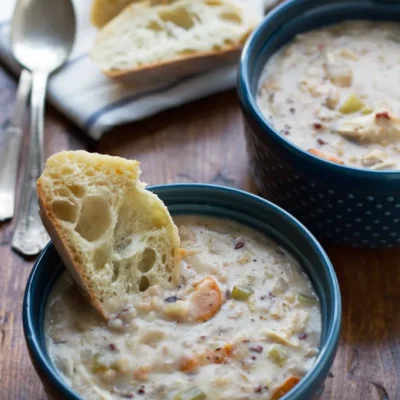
(96, 103)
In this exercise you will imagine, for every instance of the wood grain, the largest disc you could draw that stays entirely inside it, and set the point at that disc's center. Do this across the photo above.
(199, 142)
(204, 142)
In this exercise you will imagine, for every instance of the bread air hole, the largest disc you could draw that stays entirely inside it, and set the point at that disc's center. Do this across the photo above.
(64, 210)
(147, 261)
(76, 190)
(154, 26)
(95, 218)
(122, 245)
(67, 171)
(100, 257)
(213, 3)
(231, 17)
(116, 268)
(178, 16)
(143, 284)
(62, 192)
(54, 175)
(187, 51)
(123, 230)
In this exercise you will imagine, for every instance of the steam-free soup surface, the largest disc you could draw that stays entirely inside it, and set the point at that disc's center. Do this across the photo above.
(244, 323)
(334, 92)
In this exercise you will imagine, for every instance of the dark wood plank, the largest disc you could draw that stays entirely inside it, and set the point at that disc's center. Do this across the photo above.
(370, 342)
(203, 142)
(18, 378)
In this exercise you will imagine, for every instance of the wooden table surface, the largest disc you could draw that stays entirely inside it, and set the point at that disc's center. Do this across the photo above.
(204, 142)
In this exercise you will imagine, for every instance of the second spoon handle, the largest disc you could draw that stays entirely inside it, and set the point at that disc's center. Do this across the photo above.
(10, 148)
(30, 237)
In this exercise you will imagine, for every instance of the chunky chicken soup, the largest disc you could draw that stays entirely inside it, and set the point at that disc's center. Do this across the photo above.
(335, 92)
(244, 323)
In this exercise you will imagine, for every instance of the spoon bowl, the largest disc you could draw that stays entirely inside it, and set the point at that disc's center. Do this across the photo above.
(42, 34)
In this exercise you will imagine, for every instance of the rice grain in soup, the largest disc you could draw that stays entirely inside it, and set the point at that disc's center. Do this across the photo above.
(244, 323)
(334, 92)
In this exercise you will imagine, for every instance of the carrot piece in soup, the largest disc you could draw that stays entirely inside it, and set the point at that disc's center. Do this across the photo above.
(286, 387)
(205, 301)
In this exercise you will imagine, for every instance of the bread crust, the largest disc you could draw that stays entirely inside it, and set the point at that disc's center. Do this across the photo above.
(177, 68)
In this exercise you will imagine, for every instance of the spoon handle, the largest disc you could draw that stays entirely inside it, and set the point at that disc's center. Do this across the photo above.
(10, 148)
(30, 237)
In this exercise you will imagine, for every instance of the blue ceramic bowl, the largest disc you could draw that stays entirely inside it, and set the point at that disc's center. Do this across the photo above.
(342, 204)
(213, 201)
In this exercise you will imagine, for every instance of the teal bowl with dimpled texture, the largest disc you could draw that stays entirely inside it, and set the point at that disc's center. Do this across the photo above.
(341, 204)
(217, 201)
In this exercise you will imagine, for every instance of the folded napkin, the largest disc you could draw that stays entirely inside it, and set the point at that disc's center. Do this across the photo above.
(97, 103)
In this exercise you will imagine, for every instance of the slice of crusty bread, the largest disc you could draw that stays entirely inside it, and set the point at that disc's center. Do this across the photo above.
(113, 235)
(150, 42)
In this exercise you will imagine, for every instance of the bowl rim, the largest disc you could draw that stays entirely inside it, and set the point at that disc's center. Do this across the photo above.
(250, 104)
(326, 352)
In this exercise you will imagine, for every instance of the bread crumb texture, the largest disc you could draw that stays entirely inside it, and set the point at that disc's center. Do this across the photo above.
(118, 235)
(148, 33)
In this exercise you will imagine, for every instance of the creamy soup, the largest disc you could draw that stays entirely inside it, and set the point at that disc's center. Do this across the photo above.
(335, 92)
(244, 323)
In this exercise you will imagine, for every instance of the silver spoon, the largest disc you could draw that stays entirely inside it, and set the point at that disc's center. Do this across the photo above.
(42, 36)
